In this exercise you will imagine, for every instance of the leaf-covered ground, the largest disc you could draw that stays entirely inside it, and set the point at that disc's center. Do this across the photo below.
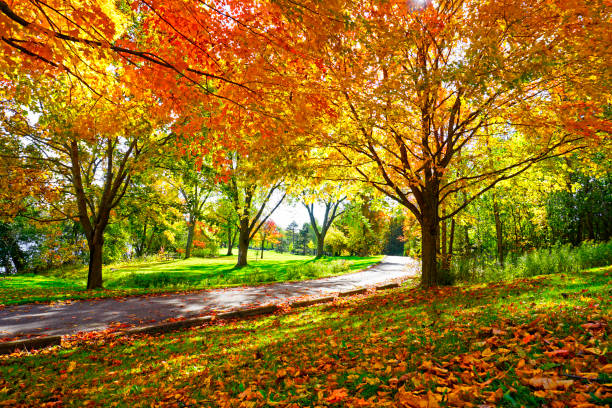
(145, 278)
(531, 342)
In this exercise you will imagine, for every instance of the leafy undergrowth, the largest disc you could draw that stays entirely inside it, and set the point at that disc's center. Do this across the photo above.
(151, 278)
(531, 342)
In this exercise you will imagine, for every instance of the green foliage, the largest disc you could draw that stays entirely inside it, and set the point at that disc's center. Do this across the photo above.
(558, 259)
(206, 249)
(582, 213)
(336, 243)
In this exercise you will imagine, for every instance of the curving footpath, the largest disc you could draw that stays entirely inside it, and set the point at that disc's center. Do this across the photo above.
(61, 319)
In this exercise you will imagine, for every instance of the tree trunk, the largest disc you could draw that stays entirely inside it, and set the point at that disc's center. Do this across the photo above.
(430, 231)
(320, 242)
(498, 234)
(263, 243)
(243, 243)
(94, 277)
(429, 264)
(190, 234)
(230, 241)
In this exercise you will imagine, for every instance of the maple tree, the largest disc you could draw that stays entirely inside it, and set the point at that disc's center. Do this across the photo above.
(251, 193)
(224, 216)
(149, 212)
(89, 158)
(268, 233)
(194, 187)
(426, 90)
(332, 199)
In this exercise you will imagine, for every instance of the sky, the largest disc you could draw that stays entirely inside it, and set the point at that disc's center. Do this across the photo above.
(288, 212)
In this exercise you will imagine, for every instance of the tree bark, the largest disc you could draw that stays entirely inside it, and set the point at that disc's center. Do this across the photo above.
(429, 264)
(243, 242)
(190, 234)
(320, 242)
(94, 276)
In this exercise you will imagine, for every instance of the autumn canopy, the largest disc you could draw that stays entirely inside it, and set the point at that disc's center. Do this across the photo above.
(431, 103)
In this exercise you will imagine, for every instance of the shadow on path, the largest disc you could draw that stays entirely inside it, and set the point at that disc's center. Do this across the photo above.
(77, 316)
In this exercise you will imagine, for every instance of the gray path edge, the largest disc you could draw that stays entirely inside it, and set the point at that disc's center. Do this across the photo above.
(48, 341)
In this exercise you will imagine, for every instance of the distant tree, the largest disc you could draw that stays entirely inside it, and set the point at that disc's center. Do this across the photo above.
(333, 209)
(336, 242)
(292, 228)
(304, 238)
(270, 233)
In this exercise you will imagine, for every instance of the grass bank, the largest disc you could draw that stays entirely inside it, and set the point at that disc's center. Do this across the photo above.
(139, 278)
(532, 342)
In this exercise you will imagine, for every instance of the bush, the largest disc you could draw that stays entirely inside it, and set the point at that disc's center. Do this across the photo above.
(557, 259)
(210, 250)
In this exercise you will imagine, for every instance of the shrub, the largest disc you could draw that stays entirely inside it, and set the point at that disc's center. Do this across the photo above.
(557, 259)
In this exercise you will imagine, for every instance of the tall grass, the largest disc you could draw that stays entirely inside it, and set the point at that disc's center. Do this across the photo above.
(557, 259)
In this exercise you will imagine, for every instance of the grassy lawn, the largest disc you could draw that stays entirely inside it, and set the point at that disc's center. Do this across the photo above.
(177, 275)
(533, 342)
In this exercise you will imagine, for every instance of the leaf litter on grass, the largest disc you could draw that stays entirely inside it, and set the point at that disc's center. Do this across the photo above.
(506, 344)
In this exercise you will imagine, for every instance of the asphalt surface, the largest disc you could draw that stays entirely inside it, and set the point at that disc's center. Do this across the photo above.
(66, 318)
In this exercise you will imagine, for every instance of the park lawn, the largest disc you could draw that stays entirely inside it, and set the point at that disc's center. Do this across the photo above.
(533, 342)
(175, 275)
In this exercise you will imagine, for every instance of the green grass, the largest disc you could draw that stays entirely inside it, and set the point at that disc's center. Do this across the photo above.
(478, 344)
(137, 278)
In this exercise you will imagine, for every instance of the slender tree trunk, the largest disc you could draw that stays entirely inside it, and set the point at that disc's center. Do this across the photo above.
(230, 240)
(190, 233)
(263, 243)
(243, 242)
(498, 234)
(94, 276)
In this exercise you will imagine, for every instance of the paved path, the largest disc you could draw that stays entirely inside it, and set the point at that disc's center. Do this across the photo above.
(77, 316)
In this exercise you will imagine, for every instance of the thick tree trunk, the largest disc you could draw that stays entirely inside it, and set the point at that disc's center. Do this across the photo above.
(430, 238)
(498, 234)
(320, 242)
(243, 243)
(94, 277)
(190, 233)
(429, 264)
